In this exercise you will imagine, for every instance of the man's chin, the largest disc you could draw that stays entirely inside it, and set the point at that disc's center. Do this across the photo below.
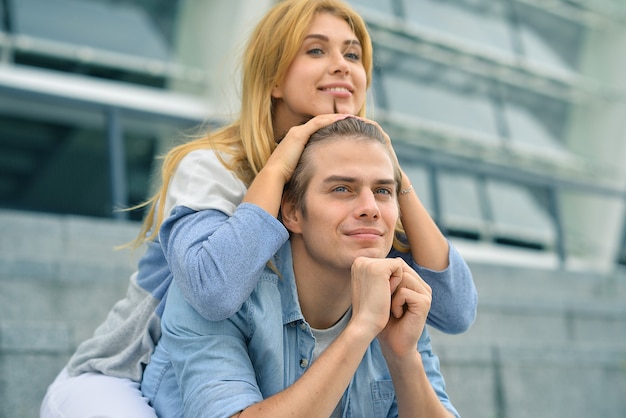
(372, 253)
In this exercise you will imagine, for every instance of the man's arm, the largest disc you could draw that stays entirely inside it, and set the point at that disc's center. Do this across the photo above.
(412, 370)
(414, 391)
(320, 388)
(214, 370)
(413, 373)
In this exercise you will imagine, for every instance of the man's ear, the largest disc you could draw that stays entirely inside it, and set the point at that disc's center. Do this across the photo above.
(291, 216)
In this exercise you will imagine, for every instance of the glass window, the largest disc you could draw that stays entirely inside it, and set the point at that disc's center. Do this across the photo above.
(621, 255)
(382, 6)
(4, 22)
(481, 24)
(128, 40)
(53, 167)
(55, 157)
(163, 14)
(526, 130)
(535, 122)
(437, 102)
(122, 28)
(460, 204)
(548, 39)
(518, 216)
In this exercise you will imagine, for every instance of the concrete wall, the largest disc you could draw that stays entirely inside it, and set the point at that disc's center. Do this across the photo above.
(59, 276)
(545, 343)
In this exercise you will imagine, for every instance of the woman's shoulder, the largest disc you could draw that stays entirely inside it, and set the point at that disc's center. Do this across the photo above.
(204, 159)
(202, 181)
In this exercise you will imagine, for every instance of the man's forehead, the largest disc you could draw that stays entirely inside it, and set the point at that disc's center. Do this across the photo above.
(349, 157)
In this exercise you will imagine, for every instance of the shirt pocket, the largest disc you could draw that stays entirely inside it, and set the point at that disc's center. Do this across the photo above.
(383, 397)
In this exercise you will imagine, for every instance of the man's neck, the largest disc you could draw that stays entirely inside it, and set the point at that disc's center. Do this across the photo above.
(323, 293)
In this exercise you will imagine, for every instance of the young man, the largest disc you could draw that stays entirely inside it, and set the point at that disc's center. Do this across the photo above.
(333, 328)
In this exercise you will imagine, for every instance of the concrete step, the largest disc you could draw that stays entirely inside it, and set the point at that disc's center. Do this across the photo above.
(43, 246)
(535, 379)
(515, 283)
(571, 322)
(80, 305)
(31, 355)
(522, 380)
(59, 277)
(546, 342)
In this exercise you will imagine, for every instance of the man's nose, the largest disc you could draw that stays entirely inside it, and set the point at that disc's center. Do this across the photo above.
(367, 205)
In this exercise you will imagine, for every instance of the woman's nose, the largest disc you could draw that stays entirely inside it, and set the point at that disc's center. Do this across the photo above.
(339, 64)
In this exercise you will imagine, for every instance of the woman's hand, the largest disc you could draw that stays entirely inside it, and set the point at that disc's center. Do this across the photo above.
(266, 190)
(288, 151)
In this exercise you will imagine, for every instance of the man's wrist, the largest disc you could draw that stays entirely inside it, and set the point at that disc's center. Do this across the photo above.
(410, 361)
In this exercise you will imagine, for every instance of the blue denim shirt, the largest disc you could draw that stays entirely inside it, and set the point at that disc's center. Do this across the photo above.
(216, 369)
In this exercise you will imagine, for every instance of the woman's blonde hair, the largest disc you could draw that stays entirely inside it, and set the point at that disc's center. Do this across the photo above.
(249, 140)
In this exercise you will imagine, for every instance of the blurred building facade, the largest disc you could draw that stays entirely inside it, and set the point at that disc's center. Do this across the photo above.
(508, 115)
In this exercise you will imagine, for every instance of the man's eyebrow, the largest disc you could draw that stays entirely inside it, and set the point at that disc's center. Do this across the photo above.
(347, 179)
(335, 178)
(325, 38)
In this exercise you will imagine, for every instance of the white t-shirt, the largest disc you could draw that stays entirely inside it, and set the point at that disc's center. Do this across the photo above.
(323, 338)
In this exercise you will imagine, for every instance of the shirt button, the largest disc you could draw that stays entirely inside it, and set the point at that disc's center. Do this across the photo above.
(304, 362)
(302, 326)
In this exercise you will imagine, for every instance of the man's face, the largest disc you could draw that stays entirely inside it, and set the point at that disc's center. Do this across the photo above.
(350, 204)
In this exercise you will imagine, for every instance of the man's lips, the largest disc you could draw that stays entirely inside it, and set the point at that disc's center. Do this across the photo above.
(364, 233)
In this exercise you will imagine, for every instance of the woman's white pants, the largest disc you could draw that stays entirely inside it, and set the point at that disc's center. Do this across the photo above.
(94, 395)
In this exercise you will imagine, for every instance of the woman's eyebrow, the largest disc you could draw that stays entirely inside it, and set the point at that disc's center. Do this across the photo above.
(325, 38)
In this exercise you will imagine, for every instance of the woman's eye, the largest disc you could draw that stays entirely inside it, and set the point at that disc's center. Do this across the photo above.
(315, 51)
(353, 56)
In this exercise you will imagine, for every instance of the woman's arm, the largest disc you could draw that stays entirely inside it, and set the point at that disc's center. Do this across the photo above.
(204, 246)
(216, 259)
(454, 303)
(429, 247)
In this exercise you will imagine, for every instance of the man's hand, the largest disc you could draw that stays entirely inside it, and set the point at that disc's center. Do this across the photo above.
(410, 303)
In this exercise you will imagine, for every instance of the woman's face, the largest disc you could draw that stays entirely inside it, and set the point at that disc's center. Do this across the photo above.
(326, 76)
